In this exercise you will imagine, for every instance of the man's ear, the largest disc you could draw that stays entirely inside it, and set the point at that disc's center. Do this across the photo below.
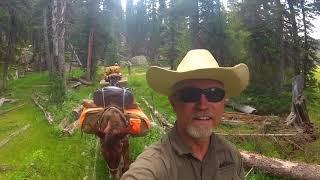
(172, 102)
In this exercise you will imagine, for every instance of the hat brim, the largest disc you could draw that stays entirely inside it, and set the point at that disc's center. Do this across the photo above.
(235, 79)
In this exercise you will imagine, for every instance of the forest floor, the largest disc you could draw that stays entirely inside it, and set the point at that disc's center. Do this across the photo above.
(33, 149)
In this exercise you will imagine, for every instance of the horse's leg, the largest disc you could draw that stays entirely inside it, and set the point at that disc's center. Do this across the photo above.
(125, 154)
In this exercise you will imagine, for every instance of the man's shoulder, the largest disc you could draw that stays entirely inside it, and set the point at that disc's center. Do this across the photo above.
(152, 163)
(223, 145)
(157, 150)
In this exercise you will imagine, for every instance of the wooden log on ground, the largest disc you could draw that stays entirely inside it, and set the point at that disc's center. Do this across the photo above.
(4, 168)
(83, 81)
(242, 108)
(14, 134)
(47, 114)
(261, 135)
(63, 123)
(70, 130)
(3, 100)
(281, 168)
(163, 121)
(77, 111)
(75, 85)
(11, 109)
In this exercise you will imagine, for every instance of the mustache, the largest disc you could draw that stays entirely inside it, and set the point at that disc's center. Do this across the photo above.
(203, 113)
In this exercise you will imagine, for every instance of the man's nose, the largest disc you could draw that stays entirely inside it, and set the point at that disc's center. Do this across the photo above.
(202, 103)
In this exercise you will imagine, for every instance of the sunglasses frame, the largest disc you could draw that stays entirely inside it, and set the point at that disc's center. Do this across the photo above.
(210, 94)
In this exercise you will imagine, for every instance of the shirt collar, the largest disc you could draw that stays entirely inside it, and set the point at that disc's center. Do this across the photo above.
(180, 147)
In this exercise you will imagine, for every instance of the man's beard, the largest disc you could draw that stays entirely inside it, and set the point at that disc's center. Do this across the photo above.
(199, 131)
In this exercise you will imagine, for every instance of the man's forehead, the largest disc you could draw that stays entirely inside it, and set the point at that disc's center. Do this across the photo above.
(195, 82)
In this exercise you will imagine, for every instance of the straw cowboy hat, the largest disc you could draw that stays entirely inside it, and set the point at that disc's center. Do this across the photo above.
(199, 64)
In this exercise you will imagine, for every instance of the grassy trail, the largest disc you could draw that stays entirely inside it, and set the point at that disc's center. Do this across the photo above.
(41, 152)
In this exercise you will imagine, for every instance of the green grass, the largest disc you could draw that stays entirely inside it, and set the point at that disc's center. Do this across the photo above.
(41, 152)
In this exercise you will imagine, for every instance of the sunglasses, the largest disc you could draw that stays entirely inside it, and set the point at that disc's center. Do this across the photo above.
(191, 95)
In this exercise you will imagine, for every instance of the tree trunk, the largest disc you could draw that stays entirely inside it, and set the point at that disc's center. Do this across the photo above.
(280, 167)
(294, 34)
(195, 25)
(58, 29)
(48, 56)
(90, 55)
(10, 47)
(305, 45)
(279, 42)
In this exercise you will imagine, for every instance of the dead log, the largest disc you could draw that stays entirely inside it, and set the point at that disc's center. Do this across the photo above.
(278, 167)
(261, 135)
(14, 134)
(75, 85)
(70, 130)
(77, 111)
(63, 123)
(242, 108)
(47, 114)
(11, 109)
(163, 121)
(83, 81)
(4, 168)
(3, 100)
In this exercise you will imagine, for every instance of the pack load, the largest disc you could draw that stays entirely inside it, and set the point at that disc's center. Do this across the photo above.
(90, 119)
(139, 122)
(93, 118)
(111, 69)
(112, 95)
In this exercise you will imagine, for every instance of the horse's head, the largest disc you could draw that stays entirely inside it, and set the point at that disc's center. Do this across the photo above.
(115, 139)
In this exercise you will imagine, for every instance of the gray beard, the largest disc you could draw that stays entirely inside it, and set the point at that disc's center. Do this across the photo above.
(198, 132)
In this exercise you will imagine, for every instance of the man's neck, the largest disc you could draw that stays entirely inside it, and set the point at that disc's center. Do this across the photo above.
(199, 146)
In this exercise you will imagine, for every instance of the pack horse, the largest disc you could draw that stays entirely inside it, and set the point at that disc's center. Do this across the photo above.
(113, 116)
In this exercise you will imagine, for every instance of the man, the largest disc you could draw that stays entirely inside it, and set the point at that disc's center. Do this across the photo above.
(196, 91)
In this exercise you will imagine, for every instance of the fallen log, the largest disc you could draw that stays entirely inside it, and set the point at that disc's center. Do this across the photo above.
(163, 121)
(262, 135)
(3, 100)
(83, 81)
(11, 109)
(282, 168)
(4, 168)
(63, 123)
(14, 134)
(75, 85)
(70, 130)
(48, 116)
(242, 108)
(77, 111)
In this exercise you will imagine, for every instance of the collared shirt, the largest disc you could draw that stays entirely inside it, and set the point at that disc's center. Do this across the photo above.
(171, 159)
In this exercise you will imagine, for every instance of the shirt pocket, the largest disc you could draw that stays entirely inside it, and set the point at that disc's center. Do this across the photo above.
(227, 172)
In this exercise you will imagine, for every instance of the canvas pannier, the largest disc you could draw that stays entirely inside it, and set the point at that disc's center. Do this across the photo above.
(138, 121)
(90, 118)
(112, 95)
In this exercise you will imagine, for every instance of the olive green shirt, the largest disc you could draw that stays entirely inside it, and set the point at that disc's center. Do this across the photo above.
(171, 159)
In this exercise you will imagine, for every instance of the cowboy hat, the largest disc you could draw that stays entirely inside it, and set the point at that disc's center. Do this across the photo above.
(199, 64)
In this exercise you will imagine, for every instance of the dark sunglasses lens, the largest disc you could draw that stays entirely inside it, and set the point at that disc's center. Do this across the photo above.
(189, 94)
(214, 94)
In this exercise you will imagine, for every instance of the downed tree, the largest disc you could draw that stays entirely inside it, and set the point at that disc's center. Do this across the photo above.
(83, 81)
(163, 121)
(278, 167)
(14, 134)
(70, 130)
(47, 114)
(3, 100)
(242, 108)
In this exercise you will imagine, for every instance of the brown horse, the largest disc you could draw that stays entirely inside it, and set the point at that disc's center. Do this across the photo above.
(114, 141)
